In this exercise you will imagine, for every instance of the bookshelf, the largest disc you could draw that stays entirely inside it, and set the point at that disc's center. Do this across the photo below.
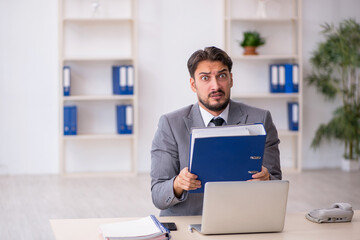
(93, 37)
(282, 31)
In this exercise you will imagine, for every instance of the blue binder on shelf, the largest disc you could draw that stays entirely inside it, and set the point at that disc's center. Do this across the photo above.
(123, 79)
(282, 77)
(119, 79)
(70, 120)
(274, 78)
(130, 79)
(125, 119)
(291, 78)
(293, 113)
(66, 80)
(228, 153)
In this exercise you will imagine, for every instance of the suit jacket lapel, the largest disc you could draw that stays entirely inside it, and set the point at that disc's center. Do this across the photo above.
(236, 115)
(194, 118)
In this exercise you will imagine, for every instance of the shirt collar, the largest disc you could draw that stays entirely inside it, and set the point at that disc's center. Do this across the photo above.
(207, 117)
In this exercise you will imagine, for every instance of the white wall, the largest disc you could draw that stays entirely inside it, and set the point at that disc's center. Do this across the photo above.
(169, 31)
(28, 87)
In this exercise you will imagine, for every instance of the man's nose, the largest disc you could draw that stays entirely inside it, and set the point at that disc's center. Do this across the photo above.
(214, 83)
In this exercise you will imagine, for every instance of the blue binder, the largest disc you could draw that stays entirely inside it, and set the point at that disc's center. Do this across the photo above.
(124, 115)
(70, 120)
(291, 78)
(115, 80)
(130, 78)
(119, 77)
(282, 77)
(274, 78)
(67, 117)
(227, 158)
(66, 80)
(293, 114)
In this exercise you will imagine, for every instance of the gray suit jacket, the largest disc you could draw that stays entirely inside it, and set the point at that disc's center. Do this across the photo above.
(170, 154)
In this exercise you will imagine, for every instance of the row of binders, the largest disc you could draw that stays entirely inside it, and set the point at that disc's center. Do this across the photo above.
(122, 80)
(284, 78)
(124, 119)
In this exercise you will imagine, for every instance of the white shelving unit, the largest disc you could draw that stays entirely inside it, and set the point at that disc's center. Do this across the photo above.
(93, 38)
(282, 31)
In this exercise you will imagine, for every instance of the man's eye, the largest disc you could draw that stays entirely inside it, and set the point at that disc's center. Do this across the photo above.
(223, 75)
(205, 78)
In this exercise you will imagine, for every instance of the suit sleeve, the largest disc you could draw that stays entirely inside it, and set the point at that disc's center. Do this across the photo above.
(165, 166)
(272, 155)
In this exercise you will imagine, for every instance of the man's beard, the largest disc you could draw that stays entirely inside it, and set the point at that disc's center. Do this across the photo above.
(217, 107)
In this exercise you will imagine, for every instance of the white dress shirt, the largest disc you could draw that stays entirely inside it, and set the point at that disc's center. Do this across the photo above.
(207, 117)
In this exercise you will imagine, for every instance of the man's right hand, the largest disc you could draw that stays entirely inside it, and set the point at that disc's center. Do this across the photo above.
(185, 181)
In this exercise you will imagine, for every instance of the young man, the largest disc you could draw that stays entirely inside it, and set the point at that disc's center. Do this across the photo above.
(211, 79)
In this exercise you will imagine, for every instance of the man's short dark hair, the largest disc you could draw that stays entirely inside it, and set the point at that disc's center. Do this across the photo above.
(211, 54)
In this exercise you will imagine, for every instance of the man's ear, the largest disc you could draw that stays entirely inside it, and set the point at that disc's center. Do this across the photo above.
(231, 80)
(193, 85)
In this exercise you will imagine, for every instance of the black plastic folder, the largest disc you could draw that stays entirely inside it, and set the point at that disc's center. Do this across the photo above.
(228, 153)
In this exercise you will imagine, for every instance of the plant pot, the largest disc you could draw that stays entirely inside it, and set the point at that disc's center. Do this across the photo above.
(349, 165)
(250, 50)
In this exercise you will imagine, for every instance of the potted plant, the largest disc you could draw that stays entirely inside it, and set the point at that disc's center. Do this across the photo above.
(336, 72)
(251, 41)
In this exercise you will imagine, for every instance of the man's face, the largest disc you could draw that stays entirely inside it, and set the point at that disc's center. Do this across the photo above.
(212, 85)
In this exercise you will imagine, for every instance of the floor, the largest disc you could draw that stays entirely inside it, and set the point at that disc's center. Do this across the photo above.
(28, 202)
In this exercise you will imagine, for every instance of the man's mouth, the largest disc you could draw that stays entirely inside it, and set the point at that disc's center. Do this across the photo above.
(216, 95)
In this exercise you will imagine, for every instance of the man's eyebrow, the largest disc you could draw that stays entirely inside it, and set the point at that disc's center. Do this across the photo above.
(221, 71)
(200, 73)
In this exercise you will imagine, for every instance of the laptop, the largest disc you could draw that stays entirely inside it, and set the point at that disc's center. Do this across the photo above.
(243, 207)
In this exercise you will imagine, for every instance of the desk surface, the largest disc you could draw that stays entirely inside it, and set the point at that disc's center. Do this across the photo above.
(296, 227)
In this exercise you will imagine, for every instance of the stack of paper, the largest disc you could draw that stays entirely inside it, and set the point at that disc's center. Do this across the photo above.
(144, 228)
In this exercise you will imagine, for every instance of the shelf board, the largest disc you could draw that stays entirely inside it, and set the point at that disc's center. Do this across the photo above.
(267, 95)
(97, 58)
(98, 98)
(266, 57)
(240, 19)
(99, 136)
(97, 20)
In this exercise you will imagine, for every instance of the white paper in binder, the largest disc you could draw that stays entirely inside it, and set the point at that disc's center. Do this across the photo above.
(130, 71)
(282, 76)
(122, 75)
(129, 116)
(295, 113)
(66, 77)
(274, 75)
(295, 74)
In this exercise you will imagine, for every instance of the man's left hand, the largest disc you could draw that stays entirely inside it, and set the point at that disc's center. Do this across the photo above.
(264, 175)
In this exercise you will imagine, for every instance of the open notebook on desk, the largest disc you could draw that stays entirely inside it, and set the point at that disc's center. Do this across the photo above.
(227, 153)
(143, 228)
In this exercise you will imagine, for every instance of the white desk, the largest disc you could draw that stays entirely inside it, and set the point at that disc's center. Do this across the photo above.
(296, 228)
